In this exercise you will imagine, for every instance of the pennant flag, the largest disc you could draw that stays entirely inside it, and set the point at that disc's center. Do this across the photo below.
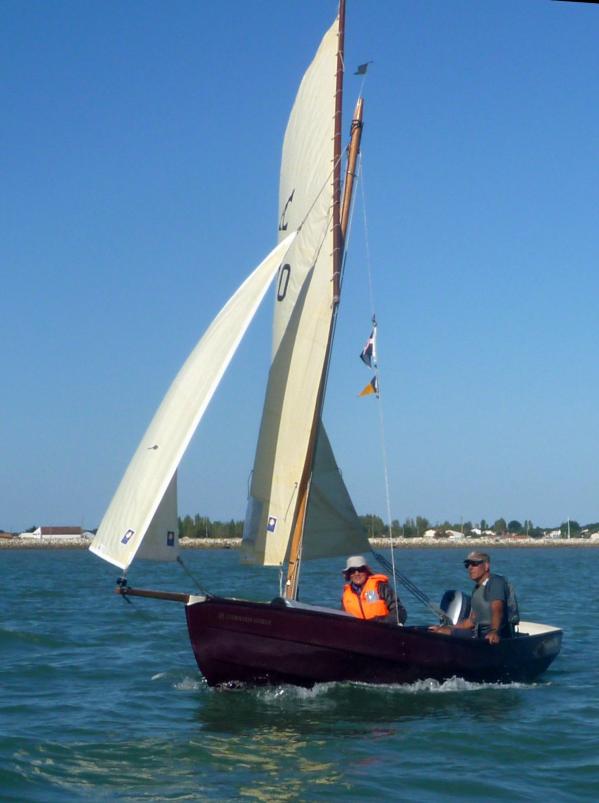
(362, 68)
(371, 387)
(368, 354)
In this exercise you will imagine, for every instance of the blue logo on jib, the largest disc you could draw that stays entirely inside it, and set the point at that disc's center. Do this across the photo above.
(127, 537)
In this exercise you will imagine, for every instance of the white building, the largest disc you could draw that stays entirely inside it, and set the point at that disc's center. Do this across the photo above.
(55, 534)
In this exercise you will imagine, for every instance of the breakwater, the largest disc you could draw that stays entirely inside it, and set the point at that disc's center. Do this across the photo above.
(378, 543)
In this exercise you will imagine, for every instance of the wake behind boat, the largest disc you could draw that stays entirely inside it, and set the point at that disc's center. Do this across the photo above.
(299, 507)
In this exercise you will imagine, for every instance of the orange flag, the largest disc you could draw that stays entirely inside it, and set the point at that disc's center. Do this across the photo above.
(371, 387)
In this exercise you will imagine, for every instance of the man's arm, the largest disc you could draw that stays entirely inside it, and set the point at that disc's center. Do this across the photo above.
(497, 591)
(497, 609)
(447, 630)
(465, 624)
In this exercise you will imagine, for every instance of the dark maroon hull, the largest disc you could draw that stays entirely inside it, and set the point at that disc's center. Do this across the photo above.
(235, 641)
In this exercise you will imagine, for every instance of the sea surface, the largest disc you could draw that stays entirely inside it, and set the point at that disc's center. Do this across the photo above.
(102, 700)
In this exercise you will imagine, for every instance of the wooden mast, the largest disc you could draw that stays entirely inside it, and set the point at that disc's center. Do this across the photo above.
(352, 159)
(296, 537)
(337, 236)
(340, 218)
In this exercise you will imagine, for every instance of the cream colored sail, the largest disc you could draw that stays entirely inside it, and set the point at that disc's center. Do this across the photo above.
(146, 497)
(306, 190)
(332, 525)
(303, 312)
(161, 541)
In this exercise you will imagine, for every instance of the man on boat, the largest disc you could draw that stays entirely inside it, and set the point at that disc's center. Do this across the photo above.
(488, 617)
(367, 595)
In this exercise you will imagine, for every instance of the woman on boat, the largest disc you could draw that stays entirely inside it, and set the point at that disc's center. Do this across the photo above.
(367, 595)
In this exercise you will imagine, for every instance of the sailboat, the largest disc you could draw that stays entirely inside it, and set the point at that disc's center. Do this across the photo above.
(299, 507)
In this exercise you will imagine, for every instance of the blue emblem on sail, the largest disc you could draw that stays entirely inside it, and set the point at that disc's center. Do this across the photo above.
(127, 537)
(170, 538)
(272, 523)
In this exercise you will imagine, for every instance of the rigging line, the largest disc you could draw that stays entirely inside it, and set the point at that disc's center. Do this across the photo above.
(414, 590)
(122, 581)
(386, 478)
(411, 587)
(138, 610)
(376, 372)
(366, 238)
(320, 191)
(189, 573)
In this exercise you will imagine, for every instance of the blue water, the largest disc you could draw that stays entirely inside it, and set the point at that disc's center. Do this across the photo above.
(102, 700)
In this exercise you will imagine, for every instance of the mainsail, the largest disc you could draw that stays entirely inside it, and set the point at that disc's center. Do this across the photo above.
(145, 503)
(303, 317)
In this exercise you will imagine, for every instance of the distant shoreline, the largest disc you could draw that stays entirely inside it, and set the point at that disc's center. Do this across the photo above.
(400, 543)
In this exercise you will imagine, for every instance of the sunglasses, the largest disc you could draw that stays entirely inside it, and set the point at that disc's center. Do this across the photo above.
(354, 570)
(468, 563)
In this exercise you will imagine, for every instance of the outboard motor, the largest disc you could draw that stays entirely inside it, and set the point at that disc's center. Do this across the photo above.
(456, 606)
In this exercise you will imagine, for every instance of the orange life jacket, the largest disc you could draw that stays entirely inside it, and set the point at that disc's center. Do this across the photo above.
(367, 604)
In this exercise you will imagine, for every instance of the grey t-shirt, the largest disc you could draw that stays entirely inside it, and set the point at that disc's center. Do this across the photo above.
(482, 597)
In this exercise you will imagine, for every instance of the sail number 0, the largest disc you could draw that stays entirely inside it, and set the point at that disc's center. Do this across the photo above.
(284, 274)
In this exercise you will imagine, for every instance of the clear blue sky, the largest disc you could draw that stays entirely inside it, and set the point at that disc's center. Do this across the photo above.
(140, 148)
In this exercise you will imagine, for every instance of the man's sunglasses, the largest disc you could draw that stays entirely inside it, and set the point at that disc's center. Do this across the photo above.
(473, 563)
(356, 569)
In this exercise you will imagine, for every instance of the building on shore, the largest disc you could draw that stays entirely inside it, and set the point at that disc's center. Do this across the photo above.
(46, 533)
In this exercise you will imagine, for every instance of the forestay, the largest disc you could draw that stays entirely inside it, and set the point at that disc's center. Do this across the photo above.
(303, 312)
(145, 501)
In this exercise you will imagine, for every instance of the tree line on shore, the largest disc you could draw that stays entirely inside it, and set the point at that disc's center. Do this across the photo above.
(203, 527)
